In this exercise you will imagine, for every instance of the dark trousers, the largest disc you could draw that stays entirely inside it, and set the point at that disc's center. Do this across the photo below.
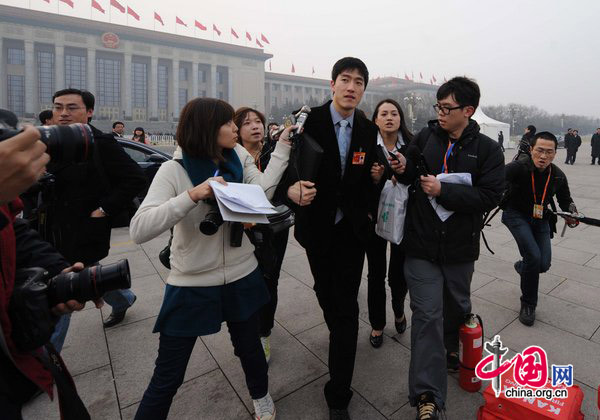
(174, 354)
(533, 239)
(278, 245)
(337, 275)
(376, 261)
(440, 297)
(571, 155)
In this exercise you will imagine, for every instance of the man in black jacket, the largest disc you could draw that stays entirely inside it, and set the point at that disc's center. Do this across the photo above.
(87, 194)
(440, 261)
(334, 226)
(531, 186)
(595, 143)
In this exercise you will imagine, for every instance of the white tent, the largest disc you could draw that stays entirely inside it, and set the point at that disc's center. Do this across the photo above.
(490, 127)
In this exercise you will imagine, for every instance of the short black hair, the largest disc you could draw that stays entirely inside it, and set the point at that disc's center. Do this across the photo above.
(88, 98)
(545, 135)
(118, 122)
(350, 63)
(44, 116)
(271, 124)
(464, 90)
(532, 129)
(576, 130)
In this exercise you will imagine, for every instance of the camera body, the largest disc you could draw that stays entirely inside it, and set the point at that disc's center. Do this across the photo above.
(35, 293)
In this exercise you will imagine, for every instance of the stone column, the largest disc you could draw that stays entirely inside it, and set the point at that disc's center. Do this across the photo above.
(31, 91)
(212, 92)
(126, 87)
(153, 87)
(229, 88)
(91, 71)
(175, 92)
(194, 93)
(59, 67)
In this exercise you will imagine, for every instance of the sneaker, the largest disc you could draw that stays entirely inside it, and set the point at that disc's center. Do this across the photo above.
(266, 345)
(264, 408)
(527, 314)
(427, 409)
(452, 361)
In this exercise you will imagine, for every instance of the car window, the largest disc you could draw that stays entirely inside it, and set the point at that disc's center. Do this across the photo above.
(136, 154)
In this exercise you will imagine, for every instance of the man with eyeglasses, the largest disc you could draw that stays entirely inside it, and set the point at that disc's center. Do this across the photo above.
(531, 186)
(440, 262)
(84, 197)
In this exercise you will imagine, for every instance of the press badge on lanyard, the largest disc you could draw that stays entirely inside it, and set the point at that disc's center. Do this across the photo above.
(358, 158)
(538, 209)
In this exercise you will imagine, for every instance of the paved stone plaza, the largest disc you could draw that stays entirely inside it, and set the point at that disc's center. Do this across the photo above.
(113, 367)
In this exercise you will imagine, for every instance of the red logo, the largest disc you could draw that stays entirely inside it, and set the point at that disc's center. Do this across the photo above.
(110, 40)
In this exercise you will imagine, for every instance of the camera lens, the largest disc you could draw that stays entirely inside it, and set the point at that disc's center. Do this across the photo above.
(89, 284)
(68, 143)
(211, 222)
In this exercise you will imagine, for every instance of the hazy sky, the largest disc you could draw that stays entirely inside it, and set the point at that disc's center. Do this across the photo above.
(543, 53)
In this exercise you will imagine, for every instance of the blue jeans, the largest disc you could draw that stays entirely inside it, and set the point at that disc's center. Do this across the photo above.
(533, 239)
(60, 332)
(119, 299)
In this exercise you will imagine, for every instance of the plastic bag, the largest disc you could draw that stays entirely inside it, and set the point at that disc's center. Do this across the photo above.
(392, 212)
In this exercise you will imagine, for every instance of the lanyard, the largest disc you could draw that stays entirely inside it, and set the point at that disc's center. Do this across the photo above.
(446, 156)
(545, 187)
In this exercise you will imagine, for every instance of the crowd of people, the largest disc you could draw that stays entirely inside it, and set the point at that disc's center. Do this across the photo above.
(230, 274)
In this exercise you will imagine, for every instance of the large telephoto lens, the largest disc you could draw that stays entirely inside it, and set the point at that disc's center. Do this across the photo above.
(89, 284)
(68, 143)
(211, 223)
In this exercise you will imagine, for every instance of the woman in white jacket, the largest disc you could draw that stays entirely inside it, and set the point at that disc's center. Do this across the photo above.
(210, 281)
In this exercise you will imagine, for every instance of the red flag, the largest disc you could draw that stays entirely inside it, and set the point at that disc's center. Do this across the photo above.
(293, 68)
(132, 13)
(248, 36)
(234, 33)
(264, 39)
(179, 21)
(258, 43)
(47, 1)
(406, 76)
(199, 25)
(69, 2)
(116, 4)
(157, 17)
(421, 75)
(216, 29)
(95, 5)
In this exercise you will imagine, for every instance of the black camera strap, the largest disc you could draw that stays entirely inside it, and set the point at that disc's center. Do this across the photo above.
(71, 406)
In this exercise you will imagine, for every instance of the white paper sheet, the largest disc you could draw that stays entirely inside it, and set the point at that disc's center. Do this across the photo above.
(463, 178)
(232, 216)
(245, 203)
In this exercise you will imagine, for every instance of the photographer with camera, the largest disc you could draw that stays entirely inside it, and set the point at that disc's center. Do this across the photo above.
(214, 275)
(24, 372)
(84, 195)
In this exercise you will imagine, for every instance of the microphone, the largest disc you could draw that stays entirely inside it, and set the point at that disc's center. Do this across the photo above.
(299, 119)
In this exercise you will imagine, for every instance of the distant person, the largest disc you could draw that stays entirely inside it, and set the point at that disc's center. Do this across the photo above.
(45, 117)
(140, 136)
(573, 147)
(568, 141)
(596, 147)
(501, 140)
(118, 128)
(525, 143)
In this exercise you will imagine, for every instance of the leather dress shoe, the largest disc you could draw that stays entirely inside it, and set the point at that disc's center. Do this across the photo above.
(400, 325)
(527, 314)
(116, 317)
(376, 340)
(338, 414)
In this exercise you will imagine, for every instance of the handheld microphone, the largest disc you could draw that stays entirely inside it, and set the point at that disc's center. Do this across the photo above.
(299, 119)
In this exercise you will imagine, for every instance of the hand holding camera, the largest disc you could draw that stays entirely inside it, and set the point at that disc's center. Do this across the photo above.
(72, 304)
(204, 191)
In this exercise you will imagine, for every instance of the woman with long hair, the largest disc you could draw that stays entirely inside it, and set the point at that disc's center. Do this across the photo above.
(213, 279)
(140, 136)
(393, 137)
(271, 251)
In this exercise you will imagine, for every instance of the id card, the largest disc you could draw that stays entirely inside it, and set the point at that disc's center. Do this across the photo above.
(358, 158)
(538, 211)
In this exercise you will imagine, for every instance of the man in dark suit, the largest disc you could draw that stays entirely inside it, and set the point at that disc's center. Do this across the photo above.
(332, 223)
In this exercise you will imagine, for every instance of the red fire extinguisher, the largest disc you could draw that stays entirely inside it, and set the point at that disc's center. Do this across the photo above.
(470, 350)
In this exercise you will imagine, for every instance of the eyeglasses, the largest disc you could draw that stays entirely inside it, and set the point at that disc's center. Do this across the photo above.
(445, 110)
(70, 108)
(545, 152)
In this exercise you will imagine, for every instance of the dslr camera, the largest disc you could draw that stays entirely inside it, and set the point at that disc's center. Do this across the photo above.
(35, 293)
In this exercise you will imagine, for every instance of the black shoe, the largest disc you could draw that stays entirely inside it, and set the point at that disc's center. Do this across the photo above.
(400, 325)
(116, 317)
(427, 409)
(452, 362)
(338, 414)
(518, 265)
(527, 314)
(376, 340)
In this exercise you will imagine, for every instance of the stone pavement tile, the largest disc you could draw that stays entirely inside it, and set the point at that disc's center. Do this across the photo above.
(97, 391)
(579, 293)
(557, 312)
(495, 317)
(479, 280)
(577, 244)
(292, 365)
(209, 396)
(460, 404)
(85, 345)
(149, 291)
(498, 237)
(596, 336)
(133, 350)
(559, 252)
(154, 246)
(577, 272)
(297, 306)
(496, 268)
(120, 241)
(298, 267)
(294, 250)
(589, 407)
(308, 402)
(562, 348)
(139, 264)
(594, 262)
